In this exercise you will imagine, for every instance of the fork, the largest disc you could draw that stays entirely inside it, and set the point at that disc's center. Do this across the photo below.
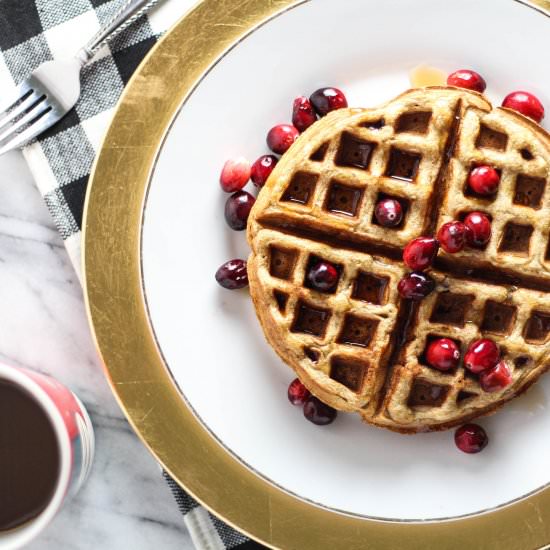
(53, 89)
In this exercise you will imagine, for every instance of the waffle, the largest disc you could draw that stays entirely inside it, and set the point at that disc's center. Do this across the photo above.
(360, 348)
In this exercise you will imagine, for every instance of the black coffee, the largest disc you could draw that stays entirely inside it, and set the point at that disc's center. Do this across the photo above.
(29, 457)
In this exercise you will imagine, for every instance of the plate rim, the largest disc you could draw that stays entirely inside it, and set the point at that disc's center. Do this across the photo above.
(133, 364)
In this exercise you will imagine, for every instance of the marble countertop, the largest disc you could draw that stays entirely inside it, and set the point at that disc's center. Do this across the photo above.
(43, 326)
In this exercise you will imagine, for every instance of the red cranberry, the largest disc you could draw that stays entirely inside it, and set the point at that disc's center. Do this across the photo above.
(481, 355)
(281, 137)
(388, 213)
(235, 175)
(484, 180)
(237, 209)
(464, 78)
(297, 392)
(452, 236)
(325, 100)
(415, 286)
(443, 354)
(303, 114)
(420, 253)
(318, 412)
(232, 275)
(262, 168)
(471, 438)
(323, 276)
(478, 227)
(495, 378)
(526, 104)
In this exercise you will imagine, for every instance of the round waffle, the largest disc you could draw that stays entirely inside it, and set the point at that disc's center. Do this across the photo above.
(360, 347)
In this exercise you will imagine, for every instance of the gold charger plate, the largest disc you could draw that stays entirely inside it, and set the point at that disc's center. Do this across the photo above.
(134, 367)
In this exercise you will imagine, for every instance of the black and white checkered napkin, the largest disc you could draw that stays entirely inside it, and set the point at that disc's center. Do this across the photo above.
(34, 31)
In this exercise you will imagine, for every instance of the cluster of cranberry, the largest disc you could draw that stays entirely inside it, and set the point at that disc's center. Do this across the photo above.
(236, 173)
(481, 358)
(420, 253)
(314, 409)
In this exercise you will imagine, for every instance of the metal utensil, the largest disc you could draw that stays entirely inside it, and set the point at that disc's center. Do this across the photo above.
(51, 91)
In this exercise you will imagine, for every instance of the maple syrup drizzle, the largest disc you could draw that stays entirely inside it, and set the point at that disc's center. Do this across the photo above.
(425, 75)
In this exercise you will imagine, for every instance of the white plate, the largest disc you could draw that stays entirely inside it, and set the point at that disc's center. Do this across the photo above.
(210, 338)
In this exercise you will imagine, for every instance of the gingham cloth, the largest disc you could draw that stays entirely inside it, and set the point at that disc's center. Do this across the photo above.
(34, 31)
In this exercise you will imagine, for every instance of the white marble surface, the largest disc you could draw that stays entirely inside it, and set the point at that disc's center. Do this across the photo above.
(43, 326)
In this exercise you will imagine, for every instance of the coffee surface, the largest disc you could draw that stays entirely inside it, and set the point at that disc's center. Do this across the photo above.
(29, 457)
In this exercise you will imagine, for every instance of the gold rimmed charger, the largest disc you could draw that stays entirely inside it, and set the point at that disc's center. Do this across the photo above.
(133, 363)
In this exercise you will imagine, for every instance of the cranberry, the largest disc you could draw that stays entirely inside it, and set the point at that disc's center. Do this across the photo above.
(318, 412)
(481, 355)
(526, 104)
(281, 137)
(232, 275)
(464, 78)
(325, 100)
(478, 227)
(297, 392)
(484, 180)
(323, 276)
(420, 253)
(262, 168)
(415, 286)
(237, 209)
(303, 114)
(495, 378)
(443, 354)
(471, 438)
(388, 213)
(235, 175)
(452, 236)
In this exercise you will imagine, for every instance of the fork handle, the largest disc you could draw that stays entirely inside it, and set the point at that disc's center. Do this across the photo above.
(130, 11)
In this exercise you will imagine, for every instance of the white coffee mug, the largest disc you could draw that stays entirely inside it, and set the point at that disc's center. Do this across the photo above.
(75, 439)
